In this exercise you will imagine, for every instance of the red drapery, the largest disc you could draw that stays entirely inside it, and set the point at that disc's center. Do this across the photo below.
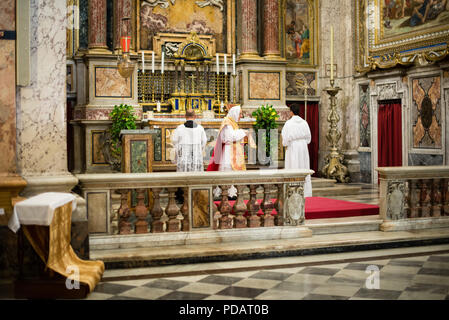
(313, 122)
(389, 134)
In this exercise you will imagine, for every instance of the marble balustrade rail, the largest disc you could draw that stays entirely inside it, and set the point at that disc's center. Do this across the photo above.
(410, 193)
(133, 202)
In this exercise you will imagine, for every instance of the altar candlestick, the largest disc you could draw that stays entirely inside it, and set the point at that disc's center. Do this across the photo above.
(221, 106)
(218, 64)
(152, 62)
(332, 53)
(158, 106)
(162, 67)
(143, 62)
(233, 64)
(225, 65)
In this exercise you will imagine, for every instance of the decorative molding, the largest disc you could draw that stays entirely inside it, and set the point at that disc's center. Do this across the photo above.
(294, 204)
(387, 91)
(396, 200)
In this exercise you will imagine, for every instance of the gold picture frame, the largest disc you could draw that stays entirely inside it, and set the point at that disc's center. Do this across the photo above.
(387, 36)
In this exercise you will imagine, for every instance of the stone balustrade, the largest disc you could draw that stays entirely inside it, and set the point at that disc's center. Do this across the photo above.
(137, 203)
(414, 197)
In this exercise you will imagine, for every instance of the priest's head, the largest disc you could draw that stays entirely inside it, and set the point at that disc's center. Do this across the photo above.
(235, 113)
(190, 114)
(294, 109)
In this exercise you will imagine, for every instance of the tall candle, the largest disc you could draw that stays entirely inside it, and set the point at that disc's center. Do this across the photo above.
(152, 62)
(162, 63)
(233, 64)
(143, 62)
(158, 106)
(332, 53)
(218, 64)
(225, 65)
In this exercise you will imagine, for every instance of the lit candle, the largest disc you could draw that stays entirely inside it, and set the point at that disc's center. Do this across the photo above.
(225, 65)
(162, 63)
(221, 106)
(152, 62)
(332, 53)
(143, 62)
(233, 64)
(158, 106)
(218, 64)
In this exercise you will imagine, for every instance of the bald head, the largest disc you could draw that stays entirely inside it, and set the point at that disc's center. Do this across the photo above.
(190, 114)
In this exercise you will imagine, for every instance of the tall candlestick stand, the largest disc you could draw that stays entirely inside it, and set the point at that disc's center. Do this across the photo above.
(162, 87)
(234, 95)
(153, 77)
(226, 87)
(334, 169)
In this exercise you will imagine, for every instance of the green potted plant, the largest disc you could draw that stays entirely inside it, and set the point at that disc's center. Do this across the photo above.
(123, 118)
(266, 117)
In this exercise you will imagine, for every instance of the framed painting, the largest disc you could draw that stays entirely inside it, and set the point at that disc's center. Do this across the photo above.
(298, 26)
(400, 32)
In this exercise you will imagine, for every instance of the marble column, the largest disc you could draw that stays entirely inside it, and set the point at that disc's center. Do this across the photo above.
(122, 9)
(97, 24)
(271, 29)
(249, 29)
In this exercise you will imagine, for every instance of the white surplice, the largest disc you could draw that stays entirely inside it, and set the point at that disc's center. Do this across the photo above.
(296, 136)
(189, 145)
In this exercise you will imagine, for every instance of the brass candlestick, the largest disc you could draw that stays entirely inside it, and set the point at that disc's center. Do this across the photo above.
(334, 169)
(234, 95)
(226, 87)
(153, 77)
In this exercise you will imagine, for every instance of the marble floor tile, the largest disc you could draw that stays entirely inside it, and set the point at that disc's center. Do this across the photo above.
(241, 292)
(352, 274)
(190, 278)
(201, 287)
(394, 284)
(428, 288)
(111, 288)
(431, 279)
(314, 296)
(414, 258)
(336, 290)
(345, 280)
(411, 295)
(225, 280)
(361, 266)
(400, 269)
(307, 278)
(434, 272)
(180, 295)
(238, 274)
(270, 275)
(221, 297)
(296, 286)
(135, 283)
(275, 294)
(387, 276)
(440, 258)
(145, 293)
(407, 263)
(257, 283)
(378, 294)
(98, 296)
(167, 283)
(319, 271)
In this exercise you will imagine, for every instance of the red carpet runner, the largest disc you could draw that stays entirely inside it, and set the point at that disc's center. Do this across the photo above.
(322, 208)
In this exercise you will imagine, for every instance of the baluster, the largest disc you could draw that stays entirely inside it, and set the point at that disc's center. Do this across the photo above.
(239, 209)
(217, 216)
(172, 211)
(141, 225)
(436, 197)
(279, 206)
(414, 202)
(445, 197)
(156, 212)
(407, 195)
(267, 206)
(425, 198)
(253, 207)
(225, 221)
(185, 210)
(124, 213)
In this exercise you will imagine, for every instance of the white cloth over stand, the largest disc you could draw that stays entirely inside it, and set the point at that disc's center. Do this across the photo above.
(39, 210)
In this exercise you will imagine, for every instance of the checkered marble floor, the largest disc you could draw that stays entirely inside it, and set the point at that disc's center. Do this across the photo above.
(369, 194)
(423, 277)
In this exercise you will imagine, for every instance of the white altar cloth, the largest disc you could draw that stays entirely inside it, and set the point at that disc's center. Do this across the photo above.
(39, 210)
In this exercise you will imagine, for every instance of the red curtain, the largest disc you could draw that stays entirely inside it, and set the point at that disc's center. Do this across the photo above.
(313, 121)
(389, 134)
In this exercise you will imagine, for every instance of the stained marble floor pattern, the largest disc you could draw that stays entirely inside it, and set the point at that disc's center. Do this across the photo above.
(404, 278)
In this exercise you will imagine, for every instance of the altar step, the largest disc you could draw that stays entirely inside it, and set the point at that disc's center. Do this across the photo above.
(361, 240)
(329, 187)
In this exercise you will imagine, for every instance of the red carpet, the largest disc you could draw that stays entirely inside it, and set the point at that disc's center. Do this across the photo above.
(322, 208)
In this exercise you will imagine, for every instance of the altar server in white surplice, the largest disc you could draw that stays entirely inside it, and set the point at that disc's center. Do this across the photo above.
(189, 140)
(296, 136)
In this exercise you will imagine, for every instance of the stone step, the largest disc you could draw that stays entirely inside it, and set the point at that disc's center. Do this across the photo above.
(337, 190)
(323, 183)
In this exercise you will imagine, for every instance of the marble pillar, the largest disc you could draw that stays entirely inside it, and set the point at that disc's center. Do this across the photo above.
(249, 29)
(122, 9)
(271, 29)
(97, 25)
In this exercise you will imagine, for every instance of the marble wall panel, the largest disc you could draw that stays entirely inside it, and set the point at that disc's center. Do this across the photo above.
(426, 113)
(364, 111)
(201, 208)
(365, 167)
(305, 77)
(417, 159)
(41, 106)
(264, 85)
(7, 15)
(110, 84)
(97, 212)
